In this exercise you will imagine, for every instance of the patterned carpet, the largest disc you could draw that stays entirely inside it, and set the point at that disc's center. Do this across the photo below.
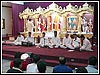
(74, 58)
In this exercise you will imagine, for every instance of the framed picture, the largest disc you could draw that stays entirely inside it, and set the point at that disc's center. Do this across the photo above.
(3, 23)
(72, 24)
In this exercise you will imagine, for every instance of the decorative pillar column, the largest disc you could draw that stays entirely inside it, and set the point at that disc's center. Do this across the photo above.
(79, 24)
(25, 21)
(48, 23)
(65, 24)
(36, 24)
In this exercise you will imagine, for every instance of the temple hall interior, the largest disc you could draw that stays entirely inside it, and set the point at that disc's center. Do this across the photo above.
(56, 21)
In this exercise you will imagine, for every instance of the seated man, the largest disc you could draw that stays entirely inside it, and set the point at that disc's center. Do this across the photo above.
(85, 44)
(55, 41)
(19, 39)
(32, 68)
(91, 67)
(24, 62)
(66, 42)
(29, 38)
(43, 41)
(42, 66)
(62, 67)
(76, 41)
(16, 68)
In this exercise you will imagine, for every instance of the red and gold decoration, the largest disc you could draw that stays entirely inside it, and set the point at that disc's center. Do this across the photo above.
(56, 18)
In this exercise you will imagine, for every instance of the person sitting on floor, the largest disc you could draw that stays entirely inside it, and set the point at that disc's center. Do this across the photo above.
(17, 55)
(43, 41)
(16, 68)
(66, 42)
(41, 65)
(24, 61)
(19, 39)
(29, 38)
(62, 67)
(32, 68)
(92, 61)
(85, 44)
(55, 41)
(30, 58)
(76, 41)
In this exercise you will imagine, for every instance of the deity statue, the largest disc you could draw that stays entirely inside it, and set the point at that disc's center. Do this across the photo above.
(90, 25)
(84, 24)
(30, 25)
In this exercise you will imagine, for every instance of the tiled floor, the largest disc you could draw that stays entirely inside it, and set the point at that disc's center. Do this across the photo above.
(5, 66)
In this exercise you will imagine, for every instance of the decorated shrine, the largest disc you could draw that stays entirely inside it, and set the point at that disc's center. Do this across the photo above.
(70, 19)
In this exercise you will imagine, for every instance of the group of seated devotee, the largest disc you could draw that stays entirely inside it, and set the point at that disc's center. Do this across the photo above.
(21, 64)
(20, 39)
(69, 41)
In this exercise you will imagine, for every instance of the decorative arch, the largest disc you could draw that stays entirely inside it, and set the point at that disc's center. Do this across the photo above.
(62, 21)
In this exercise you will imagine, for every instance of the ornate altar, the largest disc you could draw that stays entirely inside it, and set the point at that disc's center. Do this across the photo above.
(70, 19)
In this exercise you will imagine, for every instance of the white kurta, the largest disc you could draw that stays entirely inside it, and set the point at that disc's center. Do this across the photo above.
(19, 40)
(76, 42)
(43, 41)
(67, 43)
(86, 45)
(56, 41)
(30, 39)
(32, 68)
